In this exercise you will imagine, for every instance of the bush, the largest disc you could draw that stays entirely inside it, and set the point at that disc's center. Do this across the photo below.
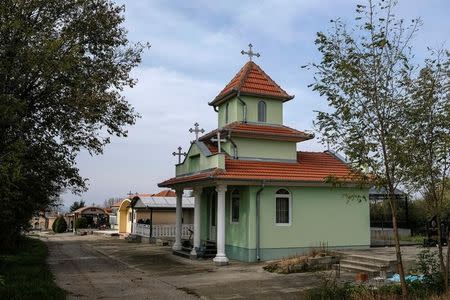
(81, 223)
(59, 225)
(428, 265)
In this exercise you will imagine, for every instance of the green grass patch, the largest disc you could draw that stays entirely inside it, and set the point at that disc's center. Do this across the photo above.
(415, 238)
(25, 274)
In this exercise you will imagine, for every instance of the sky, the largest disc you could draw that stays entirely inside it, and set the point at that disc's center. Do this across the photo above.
(195, 52)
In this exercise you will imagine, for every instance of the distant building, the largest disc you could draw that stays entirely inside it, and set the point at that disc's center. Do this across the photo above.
(155, 209)
(43, 220)
(96, 217)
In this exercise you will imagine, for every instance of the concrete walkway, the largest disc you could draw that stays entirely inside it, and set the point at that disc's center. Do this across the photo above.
(87, 274)
(409, 253)
(99, 267)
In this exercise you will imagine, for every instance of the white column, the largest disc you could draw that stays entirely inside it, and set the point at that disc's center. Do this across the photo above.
(178, 224)
(198, 196)
(221, 258)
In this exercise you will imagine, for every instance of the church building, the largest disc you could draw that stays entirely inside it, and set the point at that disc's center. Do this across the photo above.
(256, 196)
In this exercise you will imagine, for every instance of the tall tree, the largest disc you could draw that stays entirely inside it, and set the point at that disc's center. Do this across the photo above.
(76, 205)
(63, 64)
(428, 138)
(361, 74)
(111, 201)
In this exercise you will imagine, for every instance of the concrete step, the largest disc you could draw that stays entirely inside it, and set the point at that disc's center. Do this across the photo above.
(369, 259)
(182, 253)
(364, 264)
(186, 249)
(359, 269)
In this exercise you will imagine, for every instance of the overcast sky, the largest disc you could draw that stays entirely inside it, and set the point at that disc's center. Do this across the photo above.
(195, 52)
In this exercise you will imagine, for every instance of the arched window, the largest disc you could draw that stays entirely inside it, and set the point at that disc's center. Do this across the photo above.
(262, 111)
(283, 207)
(226, 112)
(235, 203)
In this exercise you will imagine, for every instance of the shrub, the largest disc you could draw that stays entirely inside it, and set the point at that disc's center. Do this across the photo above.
(59, 225)
(428, 265)
(81, 223)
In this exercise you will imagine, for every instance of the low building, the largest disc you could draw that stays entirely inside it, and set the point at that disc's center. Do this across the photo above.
(96, 217)
(152, 209)
(43, 220)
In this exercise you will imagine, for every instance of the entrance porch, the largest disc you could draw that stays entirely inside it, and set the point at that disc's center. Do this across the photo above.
(209, 225)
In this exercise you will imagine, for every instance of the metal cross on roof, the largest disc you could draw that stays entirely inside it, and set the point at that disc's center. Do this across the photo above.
(250, 52)
(179, 154)
(218, 140)
(196, 130)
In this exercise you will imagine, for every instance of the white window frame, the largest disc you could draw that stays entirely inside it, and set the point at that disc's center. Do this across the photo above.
(289, 197)
(231, 207)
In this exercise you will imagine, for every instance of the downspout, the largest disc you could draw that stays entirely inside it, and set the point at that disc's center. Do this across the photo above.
(258, 229)
(244, 108)
(235, 154)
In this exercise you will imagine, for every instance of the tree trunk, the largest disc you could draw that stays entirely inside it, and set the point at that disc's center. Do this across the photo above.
(398, 251)
(440, 255)
(447, 265)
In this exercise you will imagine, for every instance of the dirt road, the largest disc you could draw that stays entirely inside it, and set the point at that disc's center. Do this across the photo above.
(87, 274)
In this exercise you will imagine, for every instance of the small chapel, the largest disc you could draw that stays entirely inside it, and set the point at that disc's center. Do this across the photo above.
(257, 197)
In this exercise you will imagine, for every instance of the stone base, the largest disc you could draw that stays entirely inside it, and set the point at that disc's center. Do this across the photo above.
(176, 247)
(221, 261)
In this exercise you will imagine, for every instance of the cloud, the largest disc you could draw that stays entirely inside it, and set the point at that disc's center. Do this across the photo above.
(195, 52)
(170, 103)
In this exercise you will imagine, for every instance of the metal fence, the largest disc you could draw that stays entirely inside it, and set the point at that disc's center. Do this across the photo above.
(145, 230)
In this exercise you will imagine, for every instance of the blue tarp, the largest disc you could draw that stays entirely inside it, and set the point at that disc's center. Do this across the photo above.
(410, 278)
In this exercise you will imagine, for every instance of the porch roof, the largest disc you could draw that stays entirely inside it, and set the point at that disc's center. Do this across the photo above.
(163, 202)
(310, 167)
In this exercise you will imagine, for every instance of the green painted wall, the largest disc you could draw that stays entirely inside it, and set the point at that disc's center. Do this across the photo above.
(196, 161)
(266, 149)
(236, 234)
(235, 110)
(204, 214)
(274, 110)
(318, 215)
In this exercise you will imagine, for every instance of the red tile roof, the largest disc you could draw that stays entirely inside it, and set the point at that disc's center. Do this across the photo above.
(264, 131)
(165, 193)
(212, 148)
(310, 167)
(252, 80)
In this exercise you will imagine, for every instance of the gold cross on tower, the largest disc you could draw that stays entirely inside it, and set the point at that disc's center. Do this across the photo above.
(250, 52)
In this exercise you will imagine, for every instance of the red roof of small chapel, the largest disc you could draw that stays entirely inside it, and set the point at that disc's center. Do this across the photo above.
(310, 167)
(261, 131)
(251, 80)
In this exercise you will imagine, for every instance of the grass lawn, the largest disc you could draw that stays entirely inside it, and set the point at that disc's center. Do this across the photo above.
(25, 274)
